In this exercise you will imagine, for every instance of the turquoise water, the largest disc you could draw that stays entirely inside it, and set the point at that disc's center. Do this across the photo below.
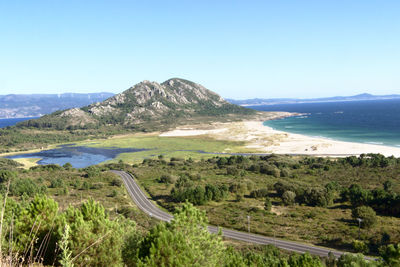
(373, 121)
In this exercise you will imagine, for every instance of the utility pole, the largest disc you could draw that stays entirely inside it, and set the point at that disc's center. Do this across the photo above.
(248, 223)
(359, 227)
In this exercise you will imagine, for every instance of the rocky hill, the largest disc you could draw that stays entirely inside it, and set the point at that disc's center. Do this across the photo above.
(143, 104)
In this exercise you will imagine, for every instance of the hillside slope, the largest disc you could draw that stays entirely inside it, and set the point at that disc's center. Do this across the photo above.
(146, 103)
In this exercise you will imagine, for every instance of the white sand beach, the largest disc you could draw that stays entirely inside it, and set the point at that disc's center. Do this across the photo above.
(263, 139)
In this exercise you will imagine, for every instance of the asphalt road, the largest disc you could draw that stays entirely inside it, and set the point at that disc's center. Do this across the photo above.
(148, 207)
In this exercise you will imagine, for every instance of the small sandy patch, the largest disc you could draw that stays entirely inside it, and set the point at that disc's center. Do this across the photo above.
(278, 210)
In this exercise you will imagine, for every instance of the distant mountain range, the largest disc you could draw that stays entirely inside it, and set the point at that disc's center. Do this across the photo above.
(275, 101)
(36, 105)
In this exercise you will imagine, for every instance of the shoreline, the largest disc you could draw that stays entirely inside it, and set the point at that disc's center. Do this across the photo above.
(333, 138)
(265, 139)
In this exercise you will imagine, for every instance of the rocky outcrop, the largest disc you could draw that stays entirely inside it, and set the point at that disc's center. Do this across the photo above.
(151, 102)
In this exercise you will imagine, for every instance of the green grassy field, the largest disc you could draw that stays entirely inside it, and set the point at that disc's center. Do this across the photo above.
(181, 147)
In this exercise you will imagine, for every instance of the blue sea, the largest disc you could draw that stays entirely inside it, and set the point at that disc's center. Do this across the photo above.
(372, 121)
(10, 122)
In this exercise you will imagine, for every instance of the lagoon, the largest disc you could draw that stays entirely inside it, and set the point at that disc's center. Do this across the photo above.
(78, 156)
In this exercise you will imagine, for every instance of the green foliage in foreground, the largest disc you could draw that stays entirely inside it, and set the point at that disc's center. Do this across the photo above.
(391, 255)
(86, 236)
(38, 230)
(35, 231)
(183, 242)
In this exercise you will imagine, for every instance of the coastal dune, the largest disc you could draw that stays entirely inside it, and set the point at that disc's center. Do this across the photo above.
(262, 139)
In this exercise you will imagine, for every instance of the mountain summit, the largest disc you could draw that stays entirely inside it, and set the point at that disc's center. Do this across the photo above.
(145, 103)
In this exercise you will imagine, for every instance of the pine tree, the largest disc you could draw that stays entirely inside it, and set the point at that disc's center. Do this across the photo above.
(185, 241)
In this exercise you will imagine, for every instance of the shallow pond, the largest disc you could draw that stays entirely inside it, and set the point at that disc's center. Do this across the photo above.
(78, 156)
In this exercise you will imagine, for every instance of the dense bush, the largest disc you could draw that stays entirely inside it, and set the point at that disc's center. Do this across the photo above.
(166, 179)
(56, 183)
(288, 197)
(48, 167)
(199, 195)
(360, 246)
(238, 187)
(383, 201)
(267, 204)
(6, 175)
(270, 170)
(116, 182)
(39, 228)
(25, 186)
(366, 214)
(92, 171)
(183, 242)
(391, 254)
(321, 197)
(259, 193)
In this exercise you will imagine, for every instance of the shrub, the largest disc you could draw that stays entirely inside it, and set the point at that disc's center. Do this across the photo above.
(270, 170)
(85, 185)
(391, 254)
(67, 166)
(24, 186)
(259, 193)
(166, 179)
(288, 197)
(6, 175)
(350, 260)
(232, 171)
(360, 246)
(320, 197)
(113, 193)
(366, 214)
(49, 167)
(176, 159)
(267, 204)
(116, 182)
(254, 168)
(222, 161)
(92, 171)
(238, 188)
(96, 186)
(358, 196)
(56, 183)
(280, 188)
(285, 172)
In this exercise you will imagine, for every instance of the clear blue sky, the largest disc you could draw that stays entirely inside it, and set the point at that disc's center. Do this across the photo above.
(240, 49)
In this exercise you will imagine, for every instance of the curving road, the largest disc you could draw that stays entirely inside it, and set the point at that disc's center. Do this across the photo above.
(148, 207)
